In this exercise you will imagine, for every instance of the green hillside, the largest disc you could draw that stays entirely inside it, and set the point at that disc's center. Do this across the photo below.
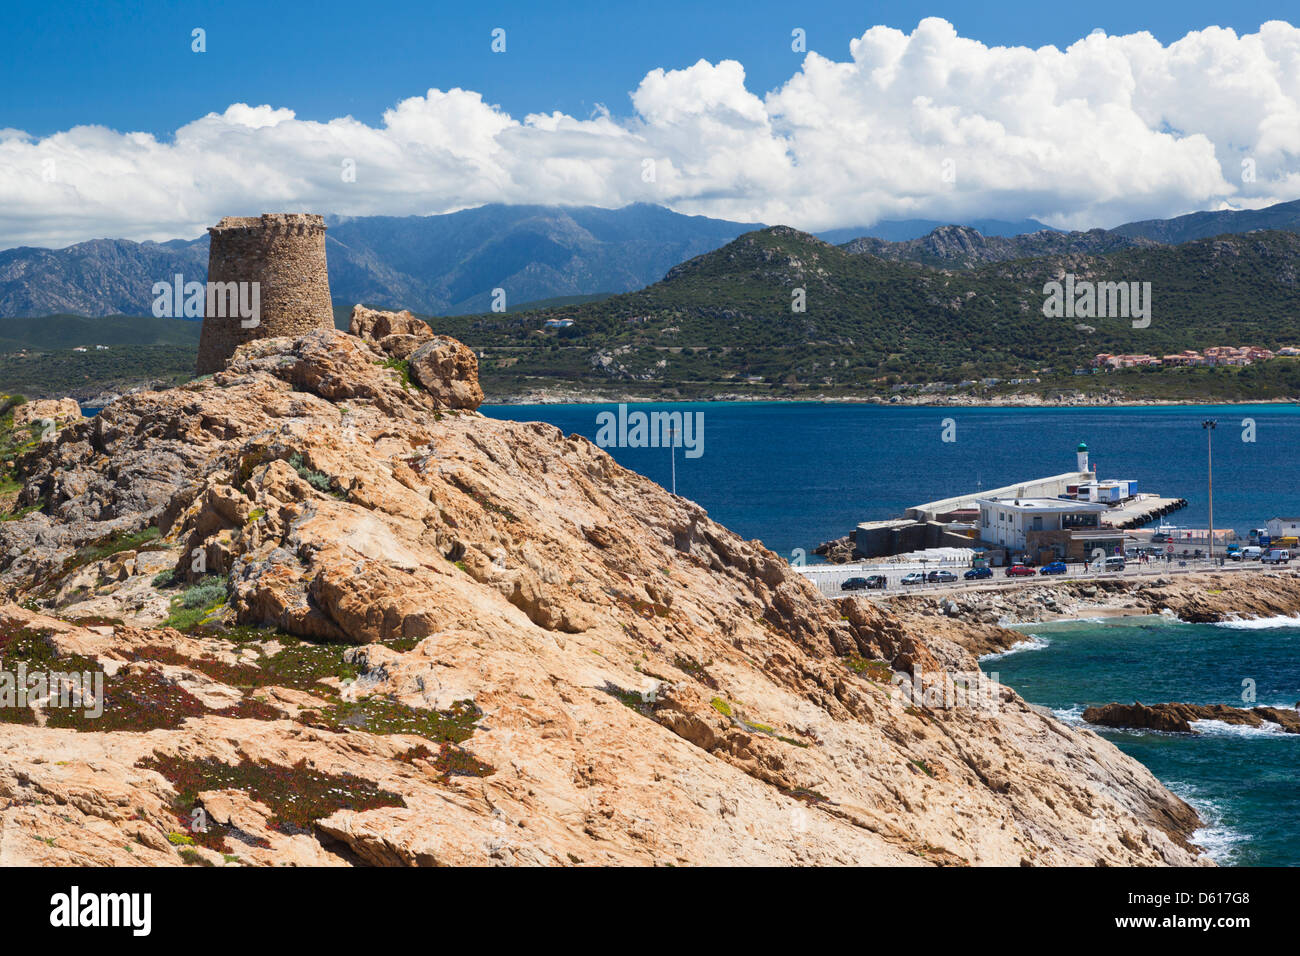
(722, 323)
(38, 356)
(69, 331)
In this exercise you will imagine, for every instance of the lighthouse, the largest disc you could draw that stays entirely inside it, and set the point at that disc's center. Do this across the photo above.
(1082, 453)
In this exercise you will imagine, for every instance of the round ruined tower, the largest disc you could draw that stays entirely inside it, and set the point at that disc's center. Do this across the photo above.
(284, 254)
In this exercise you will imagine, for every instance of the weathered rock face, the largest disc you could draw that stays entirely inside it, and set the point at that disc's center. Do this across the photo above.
(58, 410)
(443, 367)
(646, 687)
(449, 371)
(1178, 718)
(839, 551)
(397, 333)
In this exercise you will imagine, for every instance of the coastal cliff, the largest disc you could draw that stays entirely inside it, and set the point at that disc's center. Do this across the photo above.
(343, 618)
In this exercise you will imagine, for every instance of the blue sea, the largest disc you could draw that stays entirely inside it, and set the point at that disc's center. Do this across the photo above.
(794, 475)
(1244, 782)
(797, 474)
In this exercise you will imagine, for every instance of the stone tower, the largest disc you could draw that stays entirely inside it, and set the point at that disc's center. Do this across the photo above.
(284, 254)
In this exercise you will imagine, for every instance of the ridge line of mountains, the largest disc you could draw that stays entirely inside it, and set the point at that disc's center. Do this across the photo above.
(549, 255)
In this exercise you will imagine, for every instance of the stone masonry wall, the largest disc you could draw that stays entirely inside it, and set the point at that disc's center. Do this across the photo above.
(285, 253)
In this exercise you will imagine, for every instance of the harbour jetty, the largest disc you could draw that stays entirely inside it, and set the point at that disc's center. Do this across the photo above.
(1068, 516)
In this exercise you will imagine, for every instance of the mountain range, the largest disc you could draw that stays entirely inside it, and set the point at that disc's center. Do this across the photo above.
(965, 247)
(449, 264)
(433, 264)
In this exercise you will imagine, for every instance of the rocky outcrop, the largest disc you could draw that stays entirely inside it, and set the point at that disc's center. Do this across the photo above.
(58, 410)
(838, 551)
(462, 640)
(449, 371)
(1178, 718)
(440, 365)
(397, 333)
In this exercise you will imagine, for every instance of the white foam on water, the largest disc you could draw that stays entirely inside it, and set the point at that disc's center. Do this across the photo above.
(1033, 643)
(1259, 623)
(1216, 838)
(1217, 728)
(1071, 715)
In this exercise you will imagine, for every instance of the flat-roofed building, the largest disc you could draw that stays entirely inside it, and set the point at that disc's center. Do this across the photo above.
(1066, 528)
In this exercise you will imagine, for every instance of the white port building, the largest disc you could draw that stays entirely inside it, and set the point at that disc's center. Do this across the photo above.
(1008, 522)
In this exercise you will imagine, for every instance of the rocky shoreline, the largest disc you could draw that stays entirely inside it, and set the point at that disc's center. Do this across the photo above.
(549, 395)
(982, 619)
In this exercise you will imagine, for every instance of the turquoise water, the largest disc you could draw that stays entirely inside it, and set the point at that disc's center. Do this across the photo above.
(794, 475)
(1245, 783)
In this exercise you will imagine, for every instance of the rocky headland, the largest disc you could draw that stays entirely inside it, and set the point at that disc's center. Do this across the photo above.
(340, 617)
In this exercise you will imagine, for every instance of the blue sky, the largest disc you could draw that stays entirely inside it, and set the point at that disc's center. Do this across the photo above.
(129, 65)
(1080, 116)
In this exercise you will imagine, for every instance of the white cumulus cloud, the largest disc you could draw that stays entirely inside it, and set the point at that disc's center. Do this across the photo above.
(924, 124)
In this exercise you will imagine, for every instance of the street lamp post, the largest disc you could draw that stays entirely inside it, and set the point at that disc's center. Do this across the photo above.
(1208, 426)
(672, 453)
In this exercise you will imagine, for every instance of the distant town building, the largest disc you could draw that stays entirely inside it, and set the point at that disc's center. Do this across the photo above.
(1212, 356)
(1283, 527)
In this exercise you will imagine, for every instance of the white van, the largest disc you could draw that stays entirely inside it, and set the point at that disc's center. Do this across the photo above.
(1277, 556)
(1252, 553)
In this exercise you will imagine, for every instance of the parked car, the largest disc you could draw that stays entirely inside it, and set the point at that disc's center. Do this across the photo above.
(941, 577)
(1277, 556)
(877, 582)
(1252, 553)
(1020, 571)
(916, 577)
(854, 584)
(1115, 563)
(976, 574)
(1233, 554)
(1056, 567)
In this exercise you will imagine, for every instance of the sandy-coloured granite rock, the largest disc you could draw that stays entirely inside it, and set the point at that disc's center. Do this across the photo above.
(58, 410)
(536, 657)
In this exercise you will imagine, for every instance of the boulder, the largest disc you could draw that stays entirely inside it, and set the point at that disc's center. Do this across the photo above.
(397, 333)
(59, 410)
(448, 371)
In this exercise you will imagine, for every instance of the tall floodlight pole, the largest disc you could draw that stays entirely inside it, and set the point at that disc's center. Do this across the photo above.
(1208, 426)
